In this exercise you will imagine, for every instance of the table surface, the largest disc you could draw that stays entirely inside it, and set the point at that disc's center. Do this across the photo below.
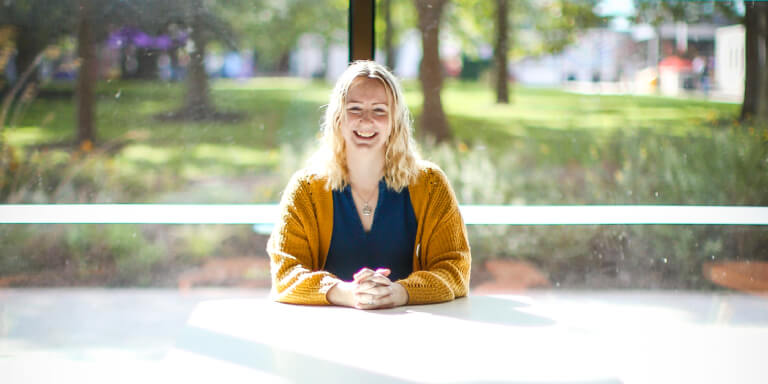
(229, 335)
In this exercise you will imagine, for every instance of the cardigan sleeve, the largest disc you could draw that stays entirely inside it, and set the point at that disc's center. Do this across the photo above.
(295, 277)
(444, 252)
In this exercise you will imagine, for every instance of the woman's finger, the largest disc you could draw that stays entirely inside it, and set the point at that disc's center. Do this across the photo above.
(384, 271)
(363, 274)
(377, 279)
(365, 301)
(376, 291)
(365, 285)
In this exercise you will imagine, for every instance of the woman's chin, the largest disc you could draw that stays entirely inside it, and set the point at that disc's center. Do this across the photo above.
(364, 143)
(364, 146)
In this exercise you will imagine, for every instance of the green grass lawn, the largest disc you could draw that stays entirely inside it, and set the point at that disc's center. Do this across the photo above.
(542, 133)
(285, 110)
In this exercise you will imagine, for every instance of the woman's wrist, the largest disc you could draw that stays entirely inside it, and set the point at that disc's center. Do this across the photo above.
(340, 294)
(403, 296)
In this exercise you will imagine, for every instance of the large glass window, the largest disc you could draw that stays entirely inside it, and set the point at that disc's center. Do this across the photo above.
(580, 102)
(160, 102)
(182, 109)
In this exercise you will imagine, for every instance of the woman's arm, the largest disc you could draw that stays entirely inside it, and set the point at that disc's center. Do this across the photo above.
(293, 248)
(443, 251)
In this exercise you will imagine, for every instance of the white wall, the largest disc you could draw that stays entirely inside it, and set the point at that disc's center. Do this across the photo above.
(730, 60)
(598, 51)
(308, 58)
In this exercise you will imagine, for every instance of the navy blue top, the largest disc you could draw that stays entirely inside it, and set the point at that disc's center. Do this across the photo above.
(389, 243)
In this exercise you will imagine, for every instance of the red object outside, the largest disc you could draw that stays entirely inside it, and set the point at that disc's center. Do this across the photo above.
(677, 63)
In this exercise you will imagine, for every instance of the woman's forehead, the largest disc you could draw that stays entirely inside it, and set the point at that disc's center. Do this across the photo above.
(366, 89)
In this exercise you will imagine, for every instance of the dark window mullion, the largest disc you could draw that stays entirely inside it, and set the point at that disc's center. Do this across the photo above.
(361, 29)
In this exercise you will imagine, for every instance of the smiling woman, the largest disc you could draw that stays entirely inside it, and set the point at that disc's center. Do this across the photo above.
(368, 224)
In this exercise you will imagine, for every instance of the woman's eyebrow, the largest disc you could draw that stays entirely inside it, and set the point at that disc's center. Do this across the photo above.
(361, 102)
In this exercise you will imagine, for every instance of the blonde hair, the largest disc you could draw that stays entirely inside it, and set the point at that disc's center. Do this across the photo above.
(400, 163)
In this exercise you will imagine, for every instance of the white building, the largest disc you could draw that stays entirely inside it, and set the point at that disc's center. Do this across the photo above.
(730, 60)
(599, 55)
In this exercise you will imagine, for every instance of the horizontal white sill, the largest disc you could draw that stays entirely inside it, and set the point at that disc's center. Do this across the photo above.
(473, 214)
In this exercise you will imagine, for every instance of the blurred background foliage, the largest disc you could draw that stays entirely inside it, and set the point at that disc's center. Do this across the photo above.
(212, 139)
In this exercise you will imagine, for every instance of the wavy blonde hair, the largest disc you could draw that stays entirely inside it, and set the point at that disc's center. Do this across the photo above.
(401, 156)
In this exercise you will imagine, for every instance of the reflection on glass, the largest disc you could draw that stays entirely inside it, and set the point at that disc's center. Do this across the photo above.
(520, 102)
(218, 102)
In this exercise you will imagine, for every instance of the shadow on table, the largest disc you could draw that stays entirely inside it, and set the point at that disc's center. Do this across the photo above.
(486, 309)
(293, 366)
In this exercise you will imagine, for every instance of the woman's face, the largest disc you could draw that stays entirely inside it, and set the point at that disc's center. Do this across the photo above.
(366, 123)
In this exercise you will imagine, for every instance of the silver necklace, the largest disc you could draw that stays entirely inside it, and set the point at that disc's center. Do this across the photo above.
(367, 210)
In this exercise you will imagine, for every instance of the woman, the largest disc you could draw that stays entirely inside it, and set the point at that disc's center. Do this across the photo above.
(368, 225)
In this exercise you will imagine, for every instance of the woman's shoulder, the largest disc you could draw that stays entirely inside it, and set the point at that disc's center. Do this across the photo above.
(310, 177)
(429, 172)
(431, 188)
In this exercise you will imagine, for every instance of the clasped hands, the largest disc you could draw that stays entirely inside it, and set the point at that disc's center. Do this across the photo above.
(369, 289)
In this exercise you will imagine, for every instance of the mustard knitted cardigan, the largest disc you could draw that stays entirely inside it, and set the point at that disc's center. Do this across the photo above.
(298, 246)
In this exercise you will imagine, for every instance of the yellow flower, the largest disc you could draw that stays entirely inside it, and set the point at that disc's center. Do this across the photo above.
(86, 145)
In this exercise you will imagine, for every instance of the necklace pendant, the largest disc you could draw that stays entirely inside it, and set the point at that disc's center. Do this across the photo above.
(367, 210)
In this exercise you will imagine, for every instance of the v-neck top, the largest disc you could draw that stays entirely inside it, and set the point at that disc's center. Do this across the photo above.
(388, 244)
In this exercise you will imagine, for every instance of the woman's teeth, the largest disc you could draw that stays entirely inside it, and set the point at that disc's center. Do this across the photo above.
(365, 135)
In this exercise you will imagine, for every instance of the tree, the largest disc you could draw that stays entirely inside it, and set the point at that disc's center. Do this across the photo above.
(87, 74)
(501, 51)
(272, 27)
(552, 26)
(558, 23)
(32, 33)
(197, 100)
(386, 6)
(433, 119)
(203, 23)
(93, 23)
(399, 16)
(755, 104)
(38, 23)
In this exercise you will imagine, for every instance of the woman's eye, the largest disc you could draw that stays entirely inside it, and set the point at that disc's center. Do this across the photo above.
(355, 110)
(380, 112)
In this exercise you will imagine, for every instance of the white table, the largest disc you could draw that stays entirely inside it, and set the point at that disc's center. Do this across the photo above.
(101, 335)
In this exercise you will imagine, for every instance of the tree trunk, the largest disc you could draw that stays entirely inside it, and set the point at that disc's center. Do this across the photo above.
(197, 103)
(761, 108)
(387, 4)
(433, 120)
(27, 48)
(173, 53)
(284, 63)
(500, 52)
(147, 64)
(752, 73)
(87, 76)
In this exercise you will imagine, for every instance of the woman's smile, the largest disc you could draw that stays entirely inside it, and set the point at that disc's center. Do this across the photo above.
(365, 135)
